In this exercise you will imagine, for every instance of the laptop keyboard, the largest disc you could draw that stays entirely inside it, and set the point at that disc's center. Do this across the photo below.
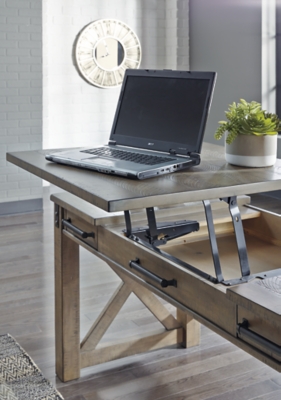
(128, 156)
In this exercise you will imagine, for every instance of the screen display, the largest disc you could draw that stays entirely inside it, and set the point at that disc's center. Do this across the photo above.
(163, 109)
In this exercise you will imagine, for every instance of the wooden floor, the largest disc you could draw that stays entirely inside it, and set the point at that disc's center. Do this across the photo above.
(214, 370)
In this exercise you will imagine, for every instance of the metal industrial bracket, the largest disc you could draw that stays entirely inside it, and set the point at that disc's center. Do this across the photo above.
(240, 241)
(157, 234)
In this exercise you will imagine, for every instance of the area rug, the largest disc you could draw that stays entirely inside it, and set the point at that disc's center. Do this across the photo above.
(20, 378)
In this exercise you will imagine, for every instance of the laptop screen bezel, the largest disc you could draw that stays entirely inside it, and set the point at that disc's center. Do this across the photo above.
(157, 145)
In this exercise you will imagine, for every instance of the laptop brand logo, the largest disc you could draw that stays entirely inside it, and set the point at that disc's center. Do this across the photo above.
(150, 144)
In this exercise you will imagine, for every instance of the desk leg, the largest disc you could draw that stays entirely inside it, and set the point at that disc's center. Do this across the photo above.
(67, 307)
(191, 329)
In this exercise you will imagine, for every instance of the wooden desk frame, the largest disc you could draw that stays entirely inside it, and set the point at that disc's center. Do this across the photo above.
(71, 355)
(220, 308)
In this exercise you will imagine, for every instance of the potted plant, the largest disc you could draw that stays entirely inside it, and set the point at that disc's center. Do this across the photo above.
(250, 134)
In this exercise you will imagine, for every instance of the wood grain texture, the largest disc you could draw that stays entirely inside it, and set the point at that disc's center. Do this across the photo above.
(212, 369)
(95, 216)
(212, 179)
(211, 305)
(69, 357)
(267, 228)
(191, 328)
(272, 284)
(131, 346)
(266, 328)
(67, 305)
(106, 317)
(179, 305)
(188, 284)
(259, 303)
(257, 298)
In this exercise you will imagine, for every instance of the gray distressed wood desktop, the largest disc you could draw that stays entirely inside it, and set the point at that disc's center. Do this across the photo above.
(221, 304)
(212, 179)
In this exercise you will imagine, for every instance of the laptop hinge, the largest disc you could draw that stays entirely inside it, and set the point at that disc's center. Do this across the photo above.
(112, 142)
(195, 157)
(192, 154)
(172, 152)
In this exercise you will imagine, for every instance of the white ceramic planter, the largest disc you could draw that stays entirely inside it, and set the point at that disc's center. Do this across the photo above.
(252, 151)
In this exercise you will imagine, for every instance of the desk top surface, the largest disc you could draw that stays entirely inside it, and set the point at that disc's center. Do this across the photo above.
(212, 179)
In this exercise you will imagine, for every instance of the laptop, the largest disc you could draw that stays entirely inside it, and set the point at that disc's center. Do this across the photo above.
(158, 126)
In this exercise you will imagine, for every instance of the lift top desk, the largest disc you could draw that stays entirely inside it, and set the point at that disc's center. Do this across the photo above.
(171, 236)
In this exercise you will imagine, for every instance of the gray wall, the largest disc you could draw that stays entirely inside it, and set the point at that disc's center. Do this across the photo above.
(225, 36)
(20, 101)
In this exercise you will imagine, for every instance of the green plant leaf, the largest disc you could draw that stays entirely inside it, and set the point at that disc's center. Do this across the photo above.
(247, 119)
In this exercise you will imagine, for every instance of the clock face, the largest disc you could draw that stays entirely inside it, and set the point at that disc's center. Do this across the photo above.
(104, 50)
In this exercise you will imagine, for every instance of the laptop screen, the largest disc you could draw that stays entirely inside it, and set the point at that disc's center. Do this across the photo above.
(163, 112)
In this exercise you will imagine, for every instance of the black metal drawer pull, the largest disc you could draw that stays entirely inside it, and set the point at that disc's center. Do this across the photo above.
(271, 348)
(67, 223)
(135, 264)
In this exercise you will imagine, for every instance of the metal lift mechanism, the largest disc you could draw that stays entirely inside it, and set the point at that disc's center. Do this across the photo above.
(156, 234)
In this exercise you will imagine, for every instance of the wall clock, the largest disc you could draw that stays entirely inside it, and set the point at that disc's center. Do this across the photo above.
(104, 50)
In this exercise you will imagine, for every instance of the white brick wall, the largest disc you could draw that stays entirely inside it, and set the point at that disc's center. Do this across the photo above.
(183, 34)
(75, 112)
(20, 94)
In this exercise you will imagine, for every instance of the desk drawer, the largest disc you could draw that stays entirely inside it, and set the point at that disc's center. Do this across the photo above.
(249, 314)
(259, 313)
(223, 308)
